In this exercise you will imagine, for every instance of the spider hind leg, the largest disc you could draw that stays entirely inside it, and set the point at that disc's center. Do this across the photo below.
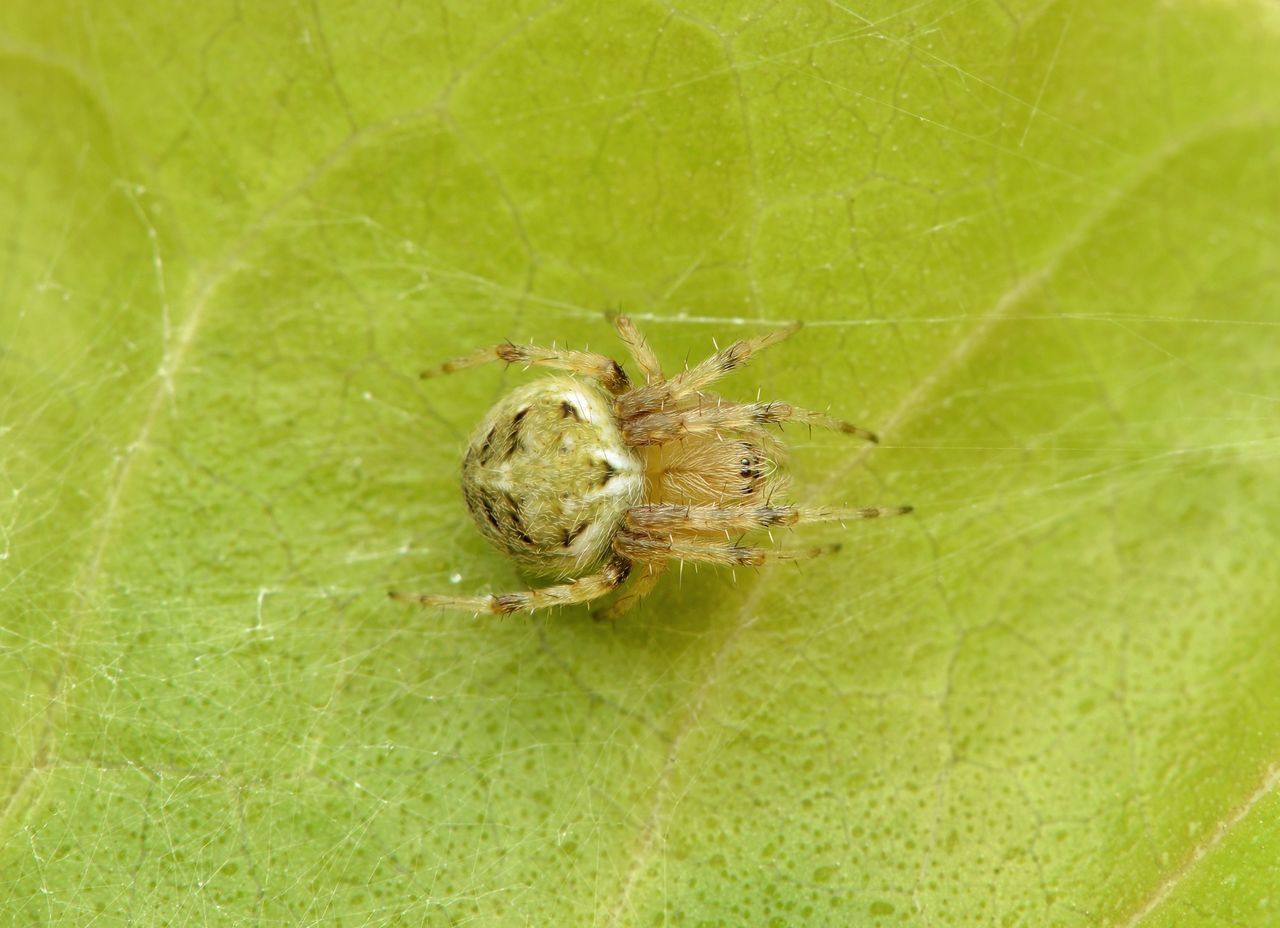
(582, 590)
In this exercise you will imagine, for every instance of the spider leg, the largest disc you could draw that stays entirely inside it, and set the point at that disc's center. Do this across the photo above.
(687, 384)
(659, 426)
(666, 520)
(581, 590)
(637, 546)
(727, 360)
(603, 368)
(644, 356)
(639, 589)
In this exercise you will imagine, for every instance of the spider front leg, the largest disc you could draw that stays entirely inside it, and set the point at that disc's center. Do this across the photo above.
(726, 360)
(645, 357)
(713, 415)
(659, 394)
(604, 369)
(582, 590)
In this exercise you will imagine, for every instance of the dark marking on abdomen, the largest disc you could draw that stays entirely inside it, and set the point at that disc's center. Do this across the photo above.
(486, 446)
(513, 436)
(517, 520)
(516, 420)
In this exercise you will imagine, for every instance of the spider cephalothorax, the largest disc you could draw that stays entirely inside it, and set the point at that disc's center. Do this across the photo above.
(586, 477)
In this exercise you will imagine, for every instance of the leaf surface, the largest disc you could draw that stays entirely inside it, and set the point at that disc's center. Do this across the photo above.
(1035, 247)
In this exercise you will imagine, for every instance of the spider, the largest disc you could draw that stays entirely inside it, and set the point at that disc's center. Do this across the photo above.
(590, 479)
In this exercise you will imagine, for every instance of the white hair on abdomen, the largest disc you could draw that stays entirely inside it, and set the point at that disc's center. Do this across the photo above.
(627, 483)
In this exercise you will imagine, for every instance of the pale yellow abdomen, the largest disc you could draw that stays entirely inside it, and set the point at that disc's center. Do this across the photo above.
(548, 477)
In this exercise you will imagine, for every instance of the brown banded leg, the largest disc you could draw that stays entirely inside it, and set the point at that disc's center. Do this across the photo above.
(641, 587)
(581, 590)
(647, 547)
(644, 356)
(715, 415)
(602, 368)
(668, 519)
(727, 360)
(689, 383)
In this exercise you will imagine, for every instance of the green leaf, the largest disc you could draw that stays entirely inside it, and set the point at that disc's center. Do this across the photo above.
(1036, 248)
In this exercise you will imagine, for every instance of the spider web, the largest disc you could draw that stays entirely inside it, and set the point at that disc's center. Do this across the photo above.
(1034, 247)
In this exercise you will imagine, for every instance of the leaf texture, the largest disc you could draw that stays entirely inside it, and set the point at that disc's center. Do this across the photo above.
(1035, 247)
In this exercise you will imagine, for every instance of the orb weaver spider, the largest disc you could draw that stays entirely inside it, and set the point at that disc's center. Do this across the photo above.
(591, 479)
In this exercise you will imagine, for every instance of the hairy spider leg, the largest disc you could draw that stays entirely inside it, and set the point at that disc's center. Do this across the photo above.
(582, 590)
(667, 519)
(642, 547)
(644, 356)
(715, 415)
(687, 384)
(603, 368)
(639, 588)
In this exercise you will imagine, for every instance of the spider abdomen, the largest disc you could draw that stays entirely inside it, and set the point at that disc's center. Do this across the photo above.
(548, 478)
